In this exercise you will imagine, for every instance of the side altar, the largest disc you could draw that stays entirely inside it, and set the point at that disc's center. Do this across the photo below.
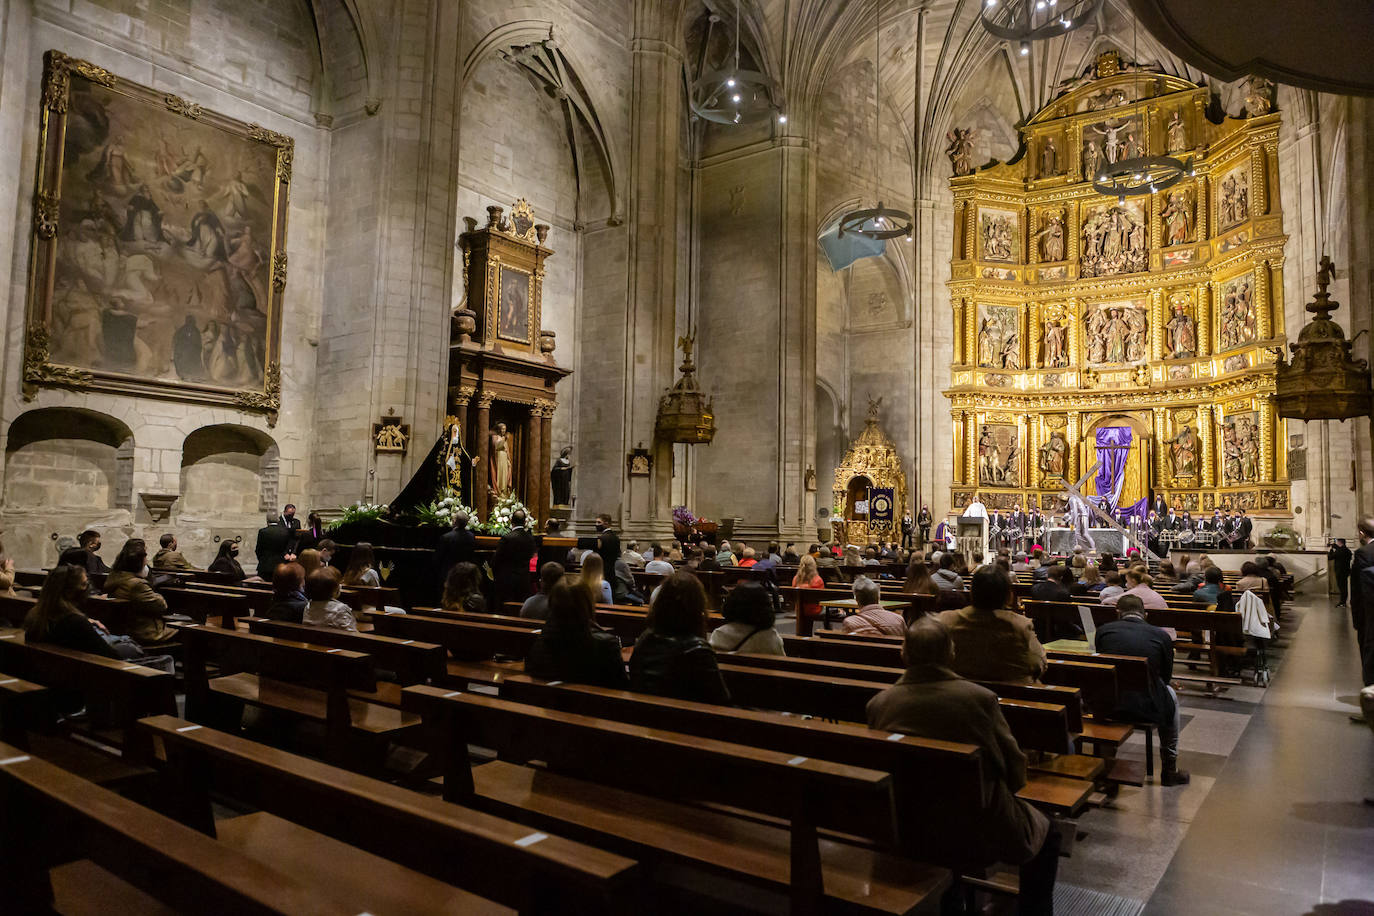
(870, 487)
(1134, 331)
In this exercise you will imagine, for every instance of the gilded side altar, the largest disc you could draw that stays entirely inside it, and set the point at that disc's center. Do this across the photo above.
(1074, 311)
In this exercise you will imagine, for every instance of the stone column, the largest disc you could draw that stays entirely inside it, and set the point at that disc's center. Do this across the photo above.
(534, 478)
(482, 455)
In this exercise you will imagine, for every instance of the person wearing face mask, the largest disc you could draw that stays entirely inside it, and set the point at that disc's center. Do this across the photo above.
(227, 561)
(128, 581)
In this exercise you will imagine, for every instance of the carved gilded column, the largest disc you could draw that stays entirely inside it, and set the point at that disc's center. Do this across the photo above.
(1204, 209)
(960, 353)
(545, 457)
(970, 230)
(1263, 314)
(1034, 439)
(957, 433)
(1276, 301)
(1266, 444)
(1033, 325)
(1075, 325)
(958, 242)
(1204, 319)
(1032, 249)
(1075, 435)
(1259, 183)
(480, 502)
(970, 448)
(1157, 322)
(1161, 434)
(533, 451)
(1075, 152)
(1206, 438)
(1072, 234)
(970, 332)
(461, 397)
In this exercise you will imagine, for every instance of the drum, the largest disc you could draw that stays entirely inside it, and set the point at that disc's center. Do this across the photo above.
(1186, 536)
(1013, 533)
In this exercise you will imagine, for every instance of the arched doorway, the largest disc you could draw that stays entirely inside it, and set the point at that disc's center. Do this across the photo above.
(1121, 443)
(856, 499)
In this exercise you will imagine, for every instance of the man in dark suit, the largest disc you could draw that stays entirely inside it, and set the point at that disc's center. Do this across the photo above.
(273, 547)
(1132, 634)
(1246, 527)
(1159, 507)
(1362, 598)
(607, 543)
(288, 517)
(1340, 557)
(458, 545)
(511, 577)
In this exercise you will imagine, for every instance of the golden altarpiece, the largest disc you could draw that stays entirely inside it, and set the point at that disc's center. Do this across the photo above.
(871, 462)
(1150, 318)
(502, 375)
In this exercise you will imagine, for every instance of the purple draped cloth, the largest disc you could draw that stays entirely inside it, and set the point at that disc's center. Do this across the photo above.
(1113, 448)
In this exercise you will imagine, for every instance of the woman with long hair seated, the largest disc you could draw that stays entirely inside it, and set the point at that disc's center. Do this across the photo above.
(128, 581)
(226, 561)
(808, 576)
(671, 657)
(570, 647)
(749, 623)
(593, 579)
(918, 581)
(463, 590)
(57, 619)
(361, 570)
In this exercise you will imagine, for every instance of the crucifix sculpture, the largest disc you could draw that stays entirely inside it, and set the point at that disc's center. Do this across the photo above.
(1076, 493)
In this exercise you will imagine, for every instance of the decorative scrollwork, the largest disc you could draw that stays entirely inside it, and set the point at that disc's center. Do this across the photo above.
(267, 400)
(45, 214)
(271, 137)
(182, 107)
(286, 157)
(279, 271)
(57, 78)
(38, 371)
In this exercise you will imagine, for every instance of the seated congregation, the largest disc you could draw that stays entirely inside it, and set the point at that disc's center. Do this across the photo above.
(928, 740)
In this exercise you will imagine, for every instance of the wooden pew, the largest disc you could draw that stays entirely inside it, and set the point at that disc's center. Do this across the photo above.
(633, 807)
(463, 640)
(24, 705)
(100, 852)
(204, 606)
(295, 679)
(408, 660)
(303, 803)
(259, 599)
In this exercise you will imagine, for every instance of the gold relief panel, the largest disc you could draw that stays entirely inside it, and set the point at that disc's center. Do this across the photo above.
(1233, 196)
(999, 336)
(1054, 337)
(999, 455)
(999, 234)
(1180, 327)
(1240, 447)
(1178, 218)
(1051, 236)
(1116, 333)
(1115, 239)
(1237, 316)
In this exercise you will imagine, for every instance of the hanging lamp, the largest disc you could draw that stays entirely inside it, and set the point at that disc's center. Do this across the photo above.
(733, 94)
(882, 221)
(1026, 21)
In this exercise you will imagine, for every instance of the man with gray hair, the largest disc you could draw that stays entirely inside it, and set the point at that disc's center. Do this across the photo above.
(931, 701)
(872, 619)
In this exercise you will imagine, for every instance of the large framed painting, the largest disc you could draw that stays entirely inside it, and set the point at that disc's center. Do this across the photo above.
(514, 307)
(159, 245)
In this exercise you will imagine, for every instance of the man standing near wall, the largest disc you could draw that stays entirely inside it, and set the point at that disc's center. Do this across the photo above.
(1362, 599)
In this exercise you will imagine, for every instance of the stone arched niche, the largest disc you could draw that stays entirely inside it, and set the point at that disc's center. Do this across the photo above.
(68, 458)
(228, 470)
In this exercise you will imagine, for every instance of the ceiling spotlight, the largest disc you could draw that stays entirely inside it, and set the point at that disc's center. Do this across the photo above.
(735, 97)
(1025, 48)
(782, 119)
(1040, 4)
(730, 82)
(1066, 23)
(990, 4)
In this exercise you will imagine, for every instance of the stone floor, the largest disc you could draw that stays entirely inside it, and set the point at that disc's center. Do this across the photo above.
(1274, 820)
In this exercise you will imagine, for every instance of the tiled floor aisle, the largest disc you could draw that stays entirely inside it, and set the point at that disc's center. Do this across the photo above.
(1284, 829)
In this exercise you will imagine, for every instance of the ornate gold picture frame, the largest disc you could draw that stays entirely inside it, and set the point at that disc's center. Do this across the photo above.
(158, 262)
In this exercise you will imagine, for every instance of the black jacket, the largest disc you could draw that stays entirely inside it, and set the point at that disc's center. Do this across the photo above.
(287, 608)
(271, 549)
(510, 569)
(1141, 639)
(608, 547)
(456, 546)
(229, 566)
(586, 657)
(681, 667)
(1361, 600)
(1050, 590)
(75, 631)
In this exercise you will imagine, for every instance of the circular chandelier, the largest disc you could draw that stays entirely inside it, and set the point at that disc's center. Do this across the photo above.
(733, 94)
(881, 222)
(1025, 21)
(1143, 174)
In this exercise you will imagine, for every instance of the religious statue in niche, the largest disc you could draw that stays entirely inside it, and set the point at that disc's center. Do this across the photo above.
(1176, 133)
(499, 473)
(999, 457)
(1181, 331)
(960, 150)
(1237, 319)
(1051, 237)
(1240, 449)
(1092, 159)
(1116, 334)
(1056, 343)
(1177, 217)
(998, 230)
(1054, 455)
(1183, 450)
(1259, 97)
(1118, 138)
(1114, 240)
(1049, 159)
(999, 337)
(560, 477)
(1234, 204)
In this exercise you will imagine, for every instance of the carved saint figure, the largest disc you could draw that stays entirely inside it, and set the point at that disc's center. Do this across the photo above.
(1112, 146)
(1056, 344)
(1176, 133)
(1235, 198)
(1049, 159)
(1249, 450)
(989, 458)
(1092, 158)
(1011, 468)
(1230, 454)
(1113, 242)
(1011, 350)
(960, 150)
(1259, 97)
(1237, 314)
(1182, 333)
(499, 471)
(1052, 238)
(1116, 335)
(987, 344)
(1053, 454)
(1183, 453)
(560, 477)
(1131, 148)
(1178, 218)
(998, 231)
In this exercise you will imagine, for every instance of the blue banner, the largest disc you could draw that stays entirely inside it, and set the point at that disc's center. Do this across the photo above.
(880, 507)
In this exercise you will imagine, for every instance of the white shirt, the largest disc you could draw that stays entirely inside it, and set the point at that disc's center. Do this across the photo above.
(976, 510)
